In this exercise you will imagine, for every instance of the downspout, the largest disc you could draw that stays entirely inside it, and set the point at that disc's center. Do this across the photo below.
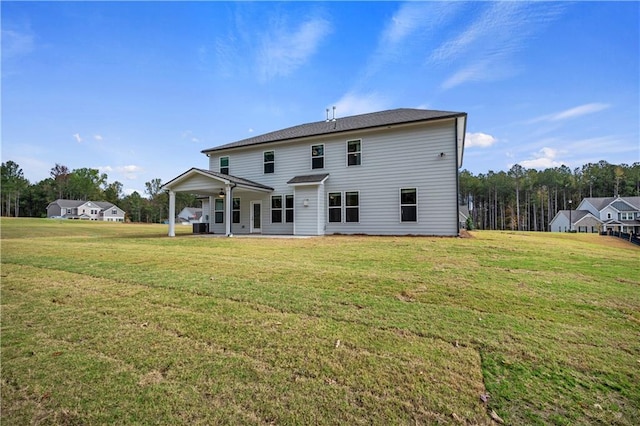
(458, 163)
(229, 208)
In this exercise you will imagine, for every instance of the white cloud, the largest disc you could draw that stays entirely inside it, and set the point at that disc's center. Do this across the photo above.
(98, 137)
(129, 172)
(481, 140)
(105, 169)
(483, 51)
(283, 51)
(579, 111)
(543, 159)
(77, 137)
(15, 43)
(352, 104)
(571, 113)
(188, 135)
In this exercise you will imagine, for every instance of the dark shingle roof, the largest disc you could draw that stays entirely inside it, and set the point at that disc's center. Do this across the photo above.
(308, 178)
(355, 122)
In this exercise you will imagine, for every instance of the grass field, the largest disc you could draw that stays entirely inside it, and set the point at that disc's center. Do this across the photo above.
(118, 324)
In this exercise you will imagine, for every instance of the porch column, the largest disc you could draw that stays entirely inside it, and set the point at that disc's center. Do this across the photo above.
(228, 210)
(172, 214)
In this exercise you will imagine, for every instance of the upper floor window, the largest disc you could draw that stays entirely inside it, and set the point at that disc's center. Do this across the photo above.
(114, 211)
(276, 209)
(317, 156)
(269, 162)
(335, 207)
(626, 216)
(224, 165)
(288, 208)
(408, 205)
(609, 215)
(354, 152)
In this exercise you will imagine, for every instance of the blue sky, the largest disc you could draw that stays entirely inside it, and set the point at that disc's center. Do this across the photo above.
(138, 89)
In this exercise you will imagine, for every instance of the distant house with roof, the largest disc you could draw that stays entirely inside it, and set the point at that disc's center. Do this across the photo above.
(600, 214)
(85, 210)
(391, 172)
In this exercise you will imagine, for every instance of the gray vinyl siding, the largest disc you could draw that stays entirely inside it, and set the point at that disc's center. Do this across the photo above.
(391, 159)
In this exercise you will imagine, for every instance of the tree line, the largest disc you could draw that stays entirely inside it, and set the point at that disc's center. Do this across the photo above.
(528, 199)
(518, 199)
(21, 198)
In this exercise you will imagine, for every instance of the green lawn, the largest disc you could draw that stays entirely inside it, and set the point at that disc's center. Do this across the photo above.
(119, 324)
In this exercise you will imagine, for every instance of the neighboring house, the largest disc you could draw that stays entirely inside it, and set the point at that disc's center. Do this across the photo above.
(190, 215)
(85, 210)
(463, 216)
(600, 214)
(387, 173)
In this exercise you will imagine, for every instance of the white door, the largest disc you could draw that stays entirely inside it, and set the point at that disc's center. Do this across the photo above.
(256, 217)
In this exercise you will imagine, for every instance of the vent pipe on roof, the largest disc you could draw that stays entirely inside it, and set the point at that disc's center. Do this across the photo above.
(334, 113)
(327, 115)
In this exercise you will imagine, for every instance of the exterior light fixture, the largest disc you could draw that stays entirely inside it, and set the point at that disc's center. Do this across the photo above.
(305, 202)
(221, 193)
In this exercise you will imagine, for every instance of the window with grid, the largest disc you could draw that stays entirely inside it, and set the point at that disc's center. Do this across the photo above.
(335, 207)
(276, 209)
(352, 206)
(235, 212)
(288, 208)
(219, 210)
(408, 205)
(269, 162)
(224, 165)
(317, 157)
(354, 152)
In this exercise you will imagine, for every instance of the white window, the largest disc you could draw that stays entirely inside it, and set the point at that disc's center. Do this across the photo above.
(276, 209)
(288, 208)
(352, 206)
(224, 165)
(236, 210)
(269, 162)
(626, 216)
(354, 152)
(219, 210)
(335, 207)
(408, 205)
(317, 156)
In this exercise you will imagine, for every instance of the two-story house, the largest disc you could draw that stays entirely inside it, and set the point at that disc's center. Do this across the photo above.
(392, 172)
(85, 210)
(600, 214)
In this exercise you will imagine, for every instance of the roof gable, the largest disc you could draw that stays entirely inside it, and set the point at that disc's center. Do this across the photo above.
(355, 122)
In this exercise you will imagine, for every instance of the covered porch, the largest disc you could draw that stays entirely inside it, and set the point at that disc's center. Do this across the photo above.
(212, 186)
